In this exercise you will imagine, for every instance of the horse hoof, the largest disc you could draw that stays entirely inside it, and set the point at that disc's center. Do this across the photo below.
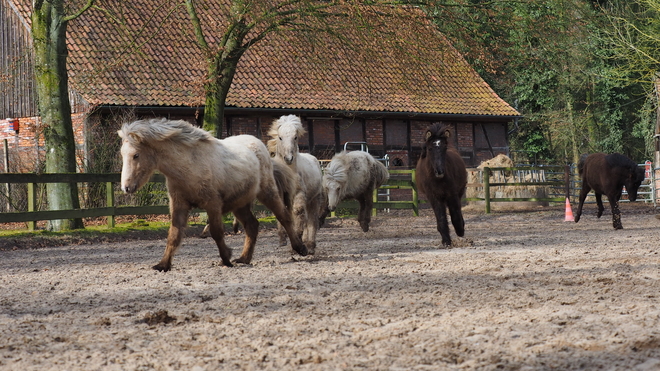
(301, 250)
(227, 263)
(240, 261)
(206, 232)
(161, 268)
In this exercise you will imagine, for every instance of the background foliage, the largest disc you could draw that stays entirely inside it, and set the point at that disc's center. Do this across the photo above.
(573, 68)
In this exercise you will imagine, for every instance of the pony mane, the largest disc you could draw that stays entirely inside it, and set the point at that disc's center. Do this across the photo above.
(336, 170)
(437, 128)
(272, 147)
(160, 129)
(289, 120)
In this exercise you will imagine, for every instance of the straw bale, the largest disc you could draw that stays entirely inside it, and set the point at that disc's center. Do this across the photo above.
(501, 160)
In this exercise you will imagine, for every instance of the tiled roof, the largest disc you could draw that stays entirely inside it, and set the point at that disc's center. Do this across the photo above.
(413, 69)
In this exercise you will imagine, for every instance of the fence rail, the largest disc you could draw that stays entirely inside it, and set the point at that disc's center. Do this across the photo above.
(399, 179)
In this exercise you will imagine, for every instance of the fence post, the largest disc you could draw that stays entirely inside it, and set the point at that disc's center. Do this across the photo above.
(567, 181)
(415, 197)
(110, 202)
(32, 203)
(487, 188)
(7, 186)
(374, 198)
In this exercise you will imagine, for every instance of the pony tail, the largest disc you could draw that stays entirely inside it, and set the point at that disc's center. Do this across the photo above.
(580, 164)
(382, 175)
(286, 181)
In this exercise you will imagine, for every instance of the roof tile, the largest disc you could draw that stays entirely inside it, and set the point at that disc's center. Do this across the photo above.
(162, 66)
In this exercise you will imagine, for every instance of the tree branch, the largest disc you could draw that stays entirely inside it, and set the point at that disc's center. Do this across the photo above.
(79, 12)
(197, 26)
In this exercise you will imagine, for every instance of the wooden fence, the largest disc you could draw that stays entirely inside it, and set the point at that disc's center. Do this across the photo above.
(399, 179)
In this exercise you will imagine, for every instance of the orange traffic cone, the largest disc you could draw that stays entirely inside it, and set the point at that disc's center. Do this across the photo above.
(569, 212)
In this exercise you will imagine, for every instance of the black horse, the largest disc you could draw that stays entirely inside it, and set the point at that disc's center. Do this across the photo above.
(442, 177)
(606, 175)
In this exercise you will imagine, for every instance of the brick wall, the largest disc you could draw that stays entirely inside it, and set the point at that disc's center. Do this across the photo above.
(27, 148)
(374, 129)
(29, 155)
(417, 131)
(244, 125)
(464, 133)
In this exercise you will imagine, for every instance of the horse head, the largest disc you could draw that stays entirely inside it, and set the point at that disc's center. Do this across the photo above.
(633, 181)
(334, 181)
(435, 148)
(286, 131)
(138, 161)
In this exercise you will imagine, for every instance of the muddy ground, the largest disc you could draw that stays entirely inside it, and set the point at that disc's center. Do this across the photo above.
(523, 290)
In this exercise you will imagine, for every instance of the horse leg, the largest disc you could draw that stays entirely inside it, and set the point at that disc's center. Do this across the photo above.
(322, 215)
(440, 210)
(364, 214)
(217, 230)
(273, 202)
(583, 195)
(311, 226)
(179, 212)
(616, 212)
(457, 216)
(251, 226)
(281, 233)
(599, 202)
(299, 213)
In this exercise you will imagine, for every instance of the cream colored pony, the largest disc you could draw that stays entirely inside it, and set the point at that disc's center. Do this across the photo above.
(285, 133)
(219, 176)
(354, 175)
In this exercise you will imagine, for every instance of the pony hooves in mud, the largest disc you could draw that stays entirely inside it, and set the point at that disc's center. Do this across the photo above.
(353, 175)
(442, 177)
(607, 175)
(219, 176)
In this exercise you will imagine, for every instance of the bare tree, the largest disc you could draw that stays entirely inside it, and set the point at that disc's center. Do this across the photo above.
(246, 23)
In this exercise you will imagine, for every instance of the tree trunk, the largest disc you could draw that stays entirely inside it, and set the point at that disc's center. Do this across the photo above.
(217, 88)
(49, 37)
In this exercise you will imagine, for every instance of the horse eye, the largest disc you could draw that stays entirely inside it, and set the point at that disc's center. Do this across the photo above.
(295, 138)
(280, 138)
(135, 156)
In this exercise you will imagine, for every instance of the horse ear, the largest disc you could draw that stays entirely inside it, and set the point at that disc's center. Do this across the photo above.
(428, 135)
(135, 137)
(446, 134)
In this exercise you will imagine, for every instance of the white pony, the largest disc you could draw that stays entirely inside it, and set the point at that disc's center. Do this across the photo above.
(219, 176)
(285, 133)
(354, 175)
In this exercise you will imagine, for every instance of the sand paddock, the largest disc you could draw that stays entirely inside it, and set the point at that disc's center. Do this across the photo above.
(521, 291)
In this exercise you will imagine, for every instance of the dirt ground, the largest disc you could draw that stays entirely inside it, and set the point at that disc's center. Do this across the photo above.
(522, 290)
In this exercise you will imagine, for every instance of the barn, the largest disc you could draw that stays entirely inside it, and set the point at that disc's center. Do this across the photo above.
(381, 91)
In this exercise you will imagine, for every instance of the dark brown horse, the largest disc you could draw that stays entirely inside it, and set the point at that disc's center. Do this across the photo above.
(442, 177)
(606, 175)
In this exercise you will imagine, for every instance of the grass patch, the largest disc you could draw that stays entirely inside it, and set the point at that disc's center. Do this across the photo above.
(137, 229)
(91, 230)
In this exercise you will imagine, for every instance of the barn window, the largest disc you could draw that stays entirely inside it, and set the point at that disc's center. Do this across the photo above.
(351, 130)
(396, 134)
